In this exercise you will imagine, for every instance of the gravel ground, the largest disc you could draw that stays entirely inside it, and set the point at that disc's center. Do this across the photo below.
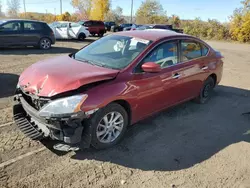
(189, 145)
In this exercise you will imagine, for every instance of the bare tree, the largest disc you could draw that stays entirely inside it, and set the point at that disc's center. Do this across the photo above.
(1, 13)
(13, 7)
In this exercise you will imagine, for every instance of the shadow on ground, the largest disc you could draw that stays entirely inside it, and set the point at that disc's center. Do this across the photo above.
(182, 136)
(8, 83)
(31, 50)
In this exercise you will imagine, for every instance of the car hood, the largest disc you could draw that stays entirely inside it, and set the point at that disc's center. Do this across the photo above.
(61, 74)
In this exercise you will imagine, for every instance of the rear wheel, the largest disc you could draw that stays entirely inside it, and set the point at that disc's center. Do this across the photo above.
(45, 44)
(108, 126)
(81, 36)
(206, 91)
(101, 34)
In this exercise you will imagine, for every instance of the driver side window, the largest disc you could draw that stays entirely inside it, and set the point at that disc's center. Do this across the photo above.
(165, 54)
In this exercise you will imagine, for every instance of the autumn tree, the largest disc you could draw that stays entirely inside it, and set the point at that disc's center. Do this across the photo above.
(99, 9)
(83, 8)
(151, 12)
(240, 23)
(13, 7)
(175, 21)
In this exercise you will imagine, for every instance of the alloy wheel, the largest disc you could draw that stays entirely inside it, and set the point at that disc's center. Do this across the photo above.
(110, 127)
(45, 44)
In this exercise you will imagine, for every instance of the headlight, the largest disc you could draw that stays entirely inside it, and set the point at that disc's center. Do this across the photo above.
(63, 107)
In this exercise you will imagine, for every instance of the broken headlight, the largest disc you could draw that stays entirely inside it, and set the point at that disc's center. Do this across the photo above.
(63, 107)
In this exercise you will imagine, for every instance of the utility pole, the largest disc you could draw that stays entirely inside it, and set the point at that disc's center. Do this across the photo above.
(131, 18)
(61, 6)
(24, 6)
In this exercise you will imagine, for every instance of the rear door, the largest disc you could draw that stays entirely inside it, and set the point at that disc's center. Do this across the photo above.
(10, 33)
(74, 30)
(191, 71)
(32, 32)
(62, 31)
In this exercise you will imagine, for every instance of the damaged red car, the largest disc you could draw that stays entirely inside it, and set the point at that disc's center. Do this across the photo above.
(90, 97)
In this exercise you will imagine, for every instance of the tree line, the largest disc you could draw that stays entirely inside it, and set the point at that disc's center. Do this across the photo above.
(149, 12)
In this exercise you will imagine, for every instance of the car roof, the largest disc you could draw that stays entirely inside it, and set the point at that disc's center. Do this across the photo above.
(151, 34)
(7, 20)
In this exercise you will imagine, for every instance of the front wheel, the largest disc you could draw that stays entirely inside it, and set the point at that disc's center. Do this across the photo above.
(108, 126)
(206, 91)
(81, 36)
(45, 44)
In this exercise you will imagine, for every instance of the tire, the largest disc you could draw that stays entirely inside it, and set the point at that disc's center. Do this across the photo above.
(101, 34)
(105, 132)
(206, 91)
(81, 36)
(45, 44)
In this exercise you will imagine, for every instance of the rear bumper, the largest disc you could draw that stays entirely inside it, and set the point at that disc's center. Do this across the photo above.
(66, 129)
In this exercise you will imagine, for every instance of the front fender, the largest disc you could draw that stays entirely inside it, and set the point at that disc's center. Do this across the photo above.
(100, 96)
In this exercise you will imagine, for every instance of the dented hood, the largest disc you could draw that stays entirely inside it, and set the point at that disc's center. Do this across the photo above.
(51, 77)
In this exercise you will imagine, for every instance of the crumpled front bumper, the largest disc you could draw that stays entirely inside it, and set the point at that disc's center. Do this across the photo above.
(67, 130)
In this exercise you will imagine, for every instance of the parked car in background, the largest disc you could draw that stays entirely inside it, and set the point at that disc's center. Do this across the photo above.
(120, 27)
(90, 97)
(133, 27)
(108, 25)
(26, 33)
(95, 27)
(144, 27)
(167, 27)
(69, 30)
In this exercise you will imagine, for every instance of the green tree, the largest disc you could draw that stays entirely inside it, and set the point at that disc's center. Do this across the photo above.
(151, 12)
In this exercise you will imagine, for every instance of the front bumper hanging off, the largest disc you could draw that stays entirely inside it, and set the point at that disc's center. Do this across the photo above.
(66, 130)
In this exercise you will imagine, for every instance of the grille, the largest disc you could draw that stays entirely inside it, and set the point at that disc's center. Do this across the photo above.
(24, 125)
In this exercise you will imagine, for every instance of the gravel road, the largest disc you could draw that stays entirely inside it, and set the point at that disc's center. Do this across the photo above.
(189, 145)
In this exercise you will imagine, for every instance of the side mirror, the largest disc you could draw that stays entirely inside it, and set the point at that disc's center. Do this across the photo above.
(151, 67)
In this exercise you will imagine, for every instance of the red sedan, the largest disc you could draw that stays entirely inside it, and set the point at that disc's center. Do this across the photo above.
(91, 96)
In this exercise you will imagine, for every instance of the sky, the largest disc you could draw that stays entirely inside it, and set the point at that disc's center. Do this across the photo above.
(186, 9)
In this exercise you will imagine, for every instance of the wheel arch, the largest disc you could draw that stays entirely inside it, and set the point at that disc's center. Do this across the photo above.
(214, 76)
(125, 104)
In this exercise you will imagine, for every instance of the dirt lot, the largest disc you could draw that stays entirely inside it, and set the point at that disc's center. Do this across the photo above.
(190, 145)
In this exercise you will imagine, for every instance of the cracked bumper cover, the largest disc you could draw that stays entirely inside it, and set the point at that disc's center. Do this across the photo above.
(68, 130)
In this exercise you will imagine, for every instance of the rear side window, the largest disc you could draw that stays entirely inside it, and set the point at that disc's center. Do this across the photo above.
(32, 26)
(190, 50)
(88, 23)
(62, 25)
(75, 25)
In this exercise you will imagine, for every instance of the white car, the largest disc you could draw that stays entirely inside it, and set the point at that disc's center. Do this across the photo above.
(69, 30)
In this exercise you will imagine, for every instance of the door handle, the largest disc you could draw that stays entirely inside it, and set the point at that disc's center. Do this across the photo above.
(204, 68)
(176, 76)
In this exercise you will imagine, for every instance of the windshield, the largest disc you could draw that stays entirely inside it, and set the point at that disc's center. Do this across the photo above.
(112, 51)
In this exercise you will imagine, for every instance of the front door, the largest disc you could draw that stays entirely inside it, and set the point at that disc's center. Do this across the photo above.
(10, 34)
